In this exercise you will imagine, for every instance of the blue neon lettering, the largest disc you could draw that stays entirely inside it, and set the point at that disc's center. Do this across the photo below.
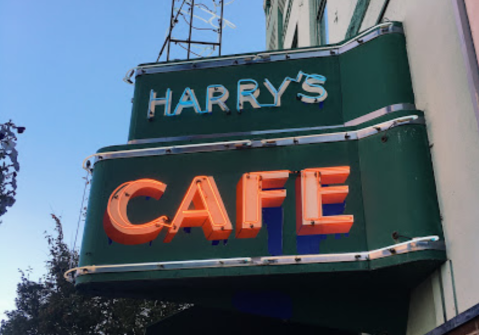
(188, 102)
(154, 101)
(247, 94)
(311, 85)
(218, 99)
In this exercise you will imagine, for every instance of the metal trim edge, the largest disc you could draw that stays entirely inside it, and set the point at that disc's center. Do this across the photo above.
(355, 122)
(246, 143)
(262, 57)
(413, 245)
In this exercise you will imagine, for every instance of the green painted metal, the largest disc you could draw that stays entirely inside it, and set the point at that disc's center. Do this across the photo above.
(362, 80)
(391, 189)
(229, 137)
(390, 84)
(391, 184)
(250, 119)
(177, 171)
(358, 17)
(362, 301)
(398, 170)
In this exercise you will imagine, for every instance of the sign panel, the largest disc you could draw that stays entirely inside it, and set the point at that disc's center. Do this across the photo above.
(388, 181)
(283, 90)
(305, 162)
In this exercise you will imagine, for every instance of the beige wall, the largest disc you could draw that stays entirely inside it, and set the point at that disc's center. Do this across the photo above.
(340, 13)
(374, 9)
(299, 19)
(441, 87)
(442, 90)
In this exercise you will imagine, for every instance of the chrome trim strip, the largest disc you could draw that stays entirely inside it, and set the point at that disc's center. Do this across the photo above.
(379, 113)
(354, 122)
(244, 144)
(217, 135)
(415, 244)
(273, 56)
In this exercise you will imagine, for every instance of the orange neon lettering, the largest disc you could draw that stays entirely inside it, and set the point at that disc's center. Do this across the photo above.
(252, 195)
(115, 221)
(311, 195)
(203, 207)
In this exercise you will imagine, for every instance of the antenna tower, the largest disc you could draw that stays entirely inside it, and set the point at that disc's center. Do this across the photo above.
(202, 17)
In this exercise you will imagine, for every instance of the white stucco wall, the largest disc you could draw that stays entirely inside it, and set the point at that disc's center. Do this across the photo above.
(340, 13)
(299, 19)
(441, 88)
(440, 82)
(374, 9)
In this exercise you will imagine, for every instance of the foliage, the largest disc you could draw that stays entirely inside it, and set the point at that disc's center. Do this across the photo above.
(51, 305)
(9, 166)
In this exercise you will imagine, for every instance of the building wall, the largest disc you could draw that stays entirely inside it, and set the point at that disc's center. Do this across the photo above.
(340, 13)
(272, 24)
(435, 57)
(442, 89)
(372, 14)
(299, 20)
(288, 18)
(300, 17)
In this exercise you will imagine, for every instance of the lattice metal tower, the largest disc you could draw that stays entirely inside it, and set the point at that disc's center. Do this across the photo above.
(188, 18)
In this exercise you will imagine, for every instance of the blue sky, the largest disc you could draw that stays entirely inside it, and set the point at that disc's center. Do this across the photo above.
(62, 64)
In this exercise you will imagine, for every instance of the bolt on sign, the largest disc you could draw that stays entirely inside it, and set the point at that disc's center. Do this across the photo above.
(306, 163)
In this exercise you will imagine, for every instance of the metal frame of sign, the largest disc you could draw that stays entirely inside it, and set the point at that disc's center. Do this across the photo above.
(334, 197)
(274, 56)
(241, 144)
(416, 244)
